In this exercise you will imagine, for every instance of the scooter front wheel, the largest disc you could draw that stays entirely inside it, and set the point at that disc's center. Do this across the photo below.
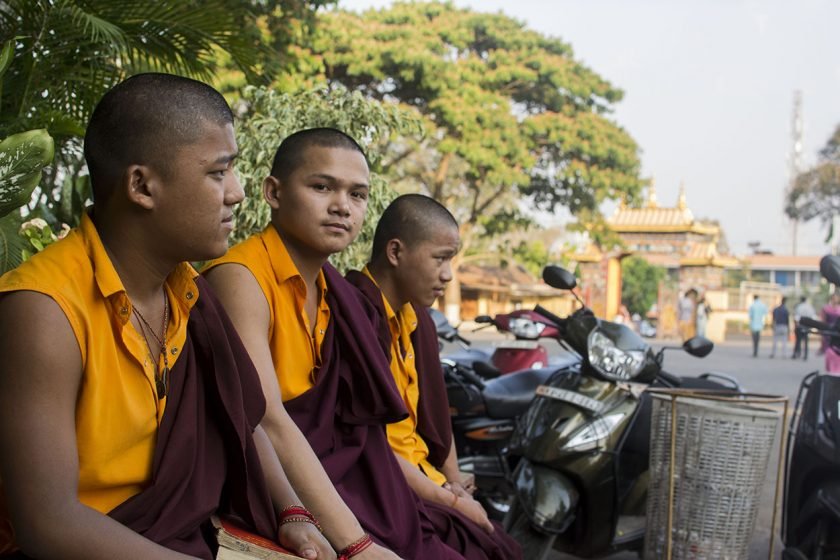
(535, 545)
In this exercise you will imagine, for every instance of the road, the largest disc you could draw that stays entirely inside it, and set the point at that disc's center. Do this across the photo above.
(779, 376)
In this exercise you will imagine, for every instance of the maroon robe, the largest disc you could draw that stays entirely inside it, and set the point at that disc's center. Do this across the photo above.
(205, 459)
(344, 415)
(435, 427)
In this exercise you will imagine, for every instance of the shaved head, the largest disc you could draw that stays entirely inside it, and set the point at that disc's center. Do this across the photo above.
(411, 218)
(143, 121)
(292, 149)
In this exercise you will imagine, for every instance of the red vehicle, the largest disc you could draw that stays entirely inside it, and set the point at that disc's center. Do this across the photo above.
(525, 351)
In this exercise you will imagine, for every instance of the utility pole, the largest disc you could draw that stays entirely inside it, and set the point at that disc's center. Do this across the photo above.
(795, 160)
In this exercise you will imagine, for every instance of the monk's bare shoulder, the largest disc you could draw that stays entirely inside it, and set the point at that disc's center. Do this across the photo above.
(240, 293)
(36, 339)
(40, 375)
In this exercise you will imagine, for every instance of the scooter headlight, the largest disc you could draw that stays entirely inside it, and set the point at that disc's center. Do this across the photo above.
(611, 361)
(525, 328)
(593, 434)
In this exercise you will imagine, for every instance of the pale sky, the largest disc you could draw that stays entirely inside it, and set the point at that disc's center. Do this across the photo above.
(709, 88)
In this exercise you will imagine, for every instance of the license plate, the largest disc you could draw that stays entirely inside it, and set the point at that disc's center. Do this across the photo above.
(571, 397)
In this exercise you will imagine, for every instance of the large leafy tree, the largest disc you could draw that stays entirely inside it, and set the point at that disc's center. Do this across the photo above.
(67, 53)
(816, 192)
(640, 284)
(510, 114)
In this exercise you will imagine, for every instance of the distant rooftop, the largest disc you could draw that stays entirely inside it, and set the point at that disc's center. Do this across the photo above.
(654, 218)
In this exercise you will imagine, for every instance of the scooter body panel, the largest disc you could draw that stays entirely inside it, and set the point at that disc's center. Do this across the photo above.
(548, 497)
(813, 474)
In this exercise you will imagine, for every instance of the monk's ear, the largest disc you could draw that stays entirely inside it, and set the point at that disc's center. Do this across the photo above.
(141, 186)
(394, 251)
(271, 191)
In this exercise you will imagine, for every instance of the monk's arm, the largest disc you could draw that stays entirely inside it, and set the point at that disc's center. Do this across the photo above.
(247, 307)
(40, 375)
(452, 472)
(424, 487)
(302, 538)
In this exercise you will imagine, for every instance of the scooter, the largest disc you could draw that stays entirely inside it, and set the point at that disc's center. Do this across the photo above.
(581, 482)
(525, 351)
(484, 415)
(811, 518)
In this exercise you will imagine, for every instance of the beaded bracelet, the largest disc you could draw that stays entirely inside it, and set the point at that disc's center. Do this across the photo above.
(295, 514)
(355, 547)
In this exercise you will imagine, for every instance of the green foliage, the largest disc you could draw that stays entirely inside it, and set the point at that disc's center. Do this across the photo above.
(68, 53)
(640, 284)
(12, 245)
(533, 255)
(816, 192)
(271, 116)
(37, 235)
(22, 158)
(509, 112)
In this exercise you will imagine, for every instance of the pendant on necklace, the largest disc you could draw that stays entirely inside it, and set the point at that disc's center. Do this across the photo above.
(161, 383)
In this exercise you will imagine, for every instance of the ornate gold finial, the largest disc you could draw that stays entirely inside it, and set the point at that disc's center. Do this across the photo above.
(652, 202)
(623, 204)
(681, 200)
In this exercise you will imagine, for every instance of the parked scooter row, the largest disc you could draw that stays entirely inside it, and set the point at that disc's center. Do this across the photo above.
(581, 480)
(811, 520)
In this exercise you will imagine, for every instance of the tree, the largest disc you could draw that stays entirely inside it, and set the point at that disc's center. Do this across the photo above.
(509, 113)
(816, 192)
(271, 116)
(68, 53)
(640, 284)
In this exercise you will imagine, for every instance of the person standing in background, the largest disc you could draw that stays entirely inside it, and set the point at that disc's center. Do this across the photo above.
(702, 316)
(781, 327)
(803, 309)
(756, 312)
(685, 313)
(831, 314)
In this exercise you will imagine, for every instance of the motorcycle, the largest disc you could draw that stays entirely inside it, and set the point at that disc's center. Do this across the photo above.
(484, 415)
(811, 513)
(525, 352)
(581, 480)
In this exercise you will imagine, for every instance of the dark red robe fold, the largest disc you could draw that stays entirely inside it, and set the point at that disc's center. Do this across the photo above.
(205, 458)
(433, 417)
(344, 415)
(435, 427)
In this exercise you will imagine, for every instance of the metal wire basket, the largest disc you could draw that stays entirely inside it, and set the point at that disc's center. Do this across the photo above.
(708, 463)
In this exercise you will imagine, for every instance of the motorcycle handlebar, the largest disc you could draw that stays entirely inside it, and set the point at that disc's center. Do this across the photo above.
(549, 315)
(815, 324)
(471, 377)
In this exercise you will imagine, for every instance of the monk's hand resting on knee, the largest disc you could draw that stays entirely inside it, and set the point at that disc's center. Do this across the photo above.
(305, 540)
(473, 510)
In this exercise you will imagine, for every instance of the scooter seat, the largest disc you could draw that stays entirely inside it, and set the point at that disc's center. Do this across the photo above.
(509, 395)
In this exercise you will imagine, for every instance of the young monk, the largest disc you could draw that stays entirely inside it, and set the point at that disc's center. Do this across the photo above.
(410, 265)
(310, 335)
(129, 409)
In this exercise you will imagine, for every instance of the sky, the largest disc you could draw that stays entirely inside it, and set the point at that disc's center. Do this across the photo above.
(709, 88)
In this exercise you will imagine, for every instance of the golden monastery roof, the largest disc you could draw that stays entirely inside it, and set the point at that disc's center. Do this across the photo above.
(654, 218)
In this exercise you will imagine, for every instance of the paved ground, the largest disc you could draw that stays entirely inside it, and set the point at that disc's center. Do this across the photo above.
(759, 375)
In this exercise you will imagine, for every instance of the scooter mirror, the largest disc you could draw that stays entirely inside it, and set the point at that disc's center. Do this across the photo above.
(698, 346)
(483, 319)
(830, 268)
(558, 277)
